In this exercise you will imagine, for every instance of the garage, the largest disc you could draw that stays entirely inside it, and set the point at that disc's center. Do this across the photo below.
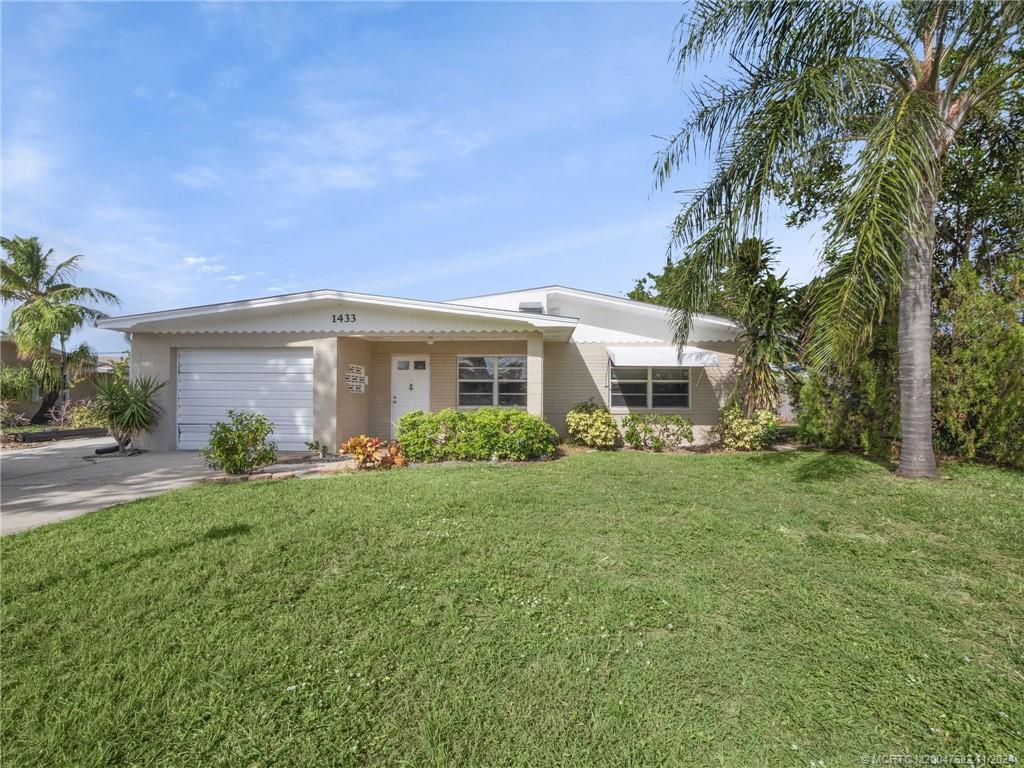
(277, 383)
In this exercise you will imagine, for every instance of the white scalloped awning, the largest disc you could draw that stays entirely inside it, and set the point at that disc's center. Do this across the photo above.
(663, 357)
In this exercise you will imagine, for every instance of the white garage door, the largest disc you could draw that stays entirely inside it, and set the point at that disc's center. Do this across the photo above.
(275, 382)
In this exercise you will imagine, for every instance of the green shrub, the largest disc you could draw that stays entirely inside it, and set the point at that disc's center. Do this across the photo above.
(656, 432)
(240, 445)
(480, 435)
(977, 388)
(855, 408)
(591, 425)
(86, 413)
(16, 383)
(437, 436)
(978, 372)
(739, 433)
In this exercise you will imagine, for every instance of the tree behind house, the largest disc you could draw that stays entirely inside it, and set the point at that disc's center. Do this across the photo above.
(891, 83)
(50, 307)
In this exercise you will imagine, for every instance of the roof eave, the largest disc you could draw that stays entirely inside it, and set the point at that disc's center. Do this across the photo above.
(129, 323)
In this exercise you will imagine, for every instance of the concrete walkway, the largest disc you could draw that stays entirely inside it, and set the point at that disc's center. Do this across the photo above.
(66, 479)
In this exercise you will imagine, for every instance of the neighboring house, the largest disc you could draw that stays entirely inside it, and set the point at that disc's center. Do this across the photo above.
(9, 358)
(327, 365)
(82, 390)
(86, 388)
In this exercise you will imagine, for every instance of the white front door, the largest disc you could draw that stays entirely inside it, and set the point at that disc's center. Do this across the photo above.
(410, 386)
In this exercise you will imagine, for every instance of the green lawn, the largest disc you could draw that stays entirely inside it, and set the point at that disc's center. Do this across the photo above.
(22, 428)
(601, 610)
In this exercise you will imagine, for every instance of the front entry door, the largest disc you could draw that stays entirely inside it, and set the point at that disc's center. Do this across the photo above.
(410, 386)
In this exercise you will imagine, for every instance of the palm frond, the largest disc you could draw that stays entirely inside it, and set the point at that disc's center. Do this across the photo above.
(869, 234)
(63, 272)
(767, 124)
(79, 362)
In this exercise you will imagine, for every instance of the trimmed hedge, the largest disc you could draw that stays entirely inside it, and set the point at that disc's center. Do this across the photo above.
(485, 434)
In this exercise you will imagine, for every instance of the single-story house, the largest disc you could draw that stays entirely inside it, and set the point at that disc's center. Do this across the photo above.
(326, 365)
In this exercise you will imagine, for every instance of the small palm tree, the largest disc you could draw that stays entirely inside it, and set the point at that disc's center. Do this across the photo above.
(50, 307)
(128, 406)
(891, 84)
(761, 302)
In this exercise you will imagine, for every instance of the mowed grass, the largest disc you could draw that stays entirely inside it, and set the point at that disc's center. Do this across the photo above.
(600, 610)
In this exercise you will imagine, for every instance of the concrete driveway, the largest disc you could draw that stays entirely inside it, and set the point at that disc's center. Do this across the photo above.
(66, 479)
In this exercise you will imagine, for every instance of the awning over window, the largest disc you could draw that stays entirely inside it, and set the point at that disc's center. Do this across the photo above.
(663, 357)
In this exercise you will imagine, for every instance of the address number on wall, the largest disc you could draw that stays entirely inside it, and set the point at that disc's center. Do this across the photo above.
(345, 317)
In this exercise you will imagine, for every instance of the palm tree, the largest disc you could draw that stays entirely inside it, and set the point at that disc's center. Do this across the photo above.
(761, 301)
(50, 307)
(891, 85)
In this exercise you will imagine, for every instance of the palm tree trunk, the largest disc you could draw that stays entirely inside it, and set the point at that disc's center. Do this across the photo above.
(917, 457)
(43, 414)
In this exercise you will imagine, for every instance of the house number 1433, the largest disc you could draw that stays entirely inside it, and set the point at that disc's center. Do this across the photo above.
(343, 318)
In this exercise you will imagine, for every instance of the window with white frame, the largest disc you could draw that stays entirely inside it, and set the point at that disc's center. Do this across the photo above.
(637, 387)
(492, 380)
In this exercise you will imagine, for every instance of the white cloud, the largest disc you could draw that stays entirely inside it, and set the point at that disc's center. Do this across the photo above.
(406, 164)
(203, 265)
(184, 102)
(235, 278)
(446, 203)
(327, 144)
(281, 222)
(26, 165)
(59, 26)
(313, 177)
(284, 287)
(266, 27)
(199, 177)
(558, 248)
(229, 77)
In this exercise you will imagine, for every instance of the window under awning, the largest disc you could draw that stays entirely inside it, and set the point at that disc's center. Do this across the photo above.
(663, 357)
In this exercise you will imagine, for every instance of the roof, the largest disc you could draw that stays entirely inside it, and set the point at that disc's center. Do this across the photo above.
(594, 295)
(177, 319)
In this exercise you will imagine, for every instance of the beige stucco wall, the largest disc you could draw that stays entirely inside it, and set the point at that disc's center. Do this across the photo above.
(339, 414)
(569, 373)
(155, 354)
(444, 375)
(579, 372)
(326, 414)
(354, 407)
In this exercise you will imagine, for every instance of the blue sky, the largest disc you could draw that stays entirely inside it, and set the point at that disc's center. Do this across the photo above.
(207, 152)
